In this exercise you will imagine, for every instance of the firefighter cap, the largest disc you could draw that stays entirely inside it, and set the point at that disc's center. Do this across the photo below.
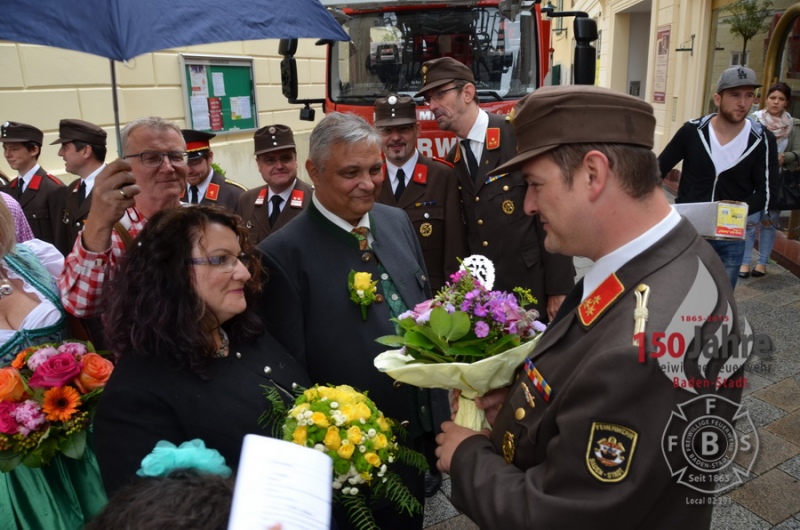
(197, 142)
(70, 130)
(273, 138)
(395, 110)
(12, 131)
(557, 115)
(441, 71)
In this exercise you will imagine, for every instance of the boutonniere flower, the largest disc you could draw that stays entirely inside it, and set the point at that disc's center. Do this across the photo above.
(362, 290)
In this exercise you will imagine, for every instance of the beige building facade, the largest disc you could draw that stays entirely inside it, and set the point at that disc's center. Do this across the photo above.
(670, 53)
(41, 85)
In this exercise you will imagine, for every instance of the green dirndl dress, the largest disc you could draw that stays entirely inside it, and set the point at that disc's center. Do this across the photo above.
(66, 493)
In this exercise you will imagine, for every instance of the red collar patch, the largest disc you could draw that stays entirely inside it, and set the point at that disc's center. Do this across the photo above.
(212, 193)
(420, 174)
(262, 196)
(296, 199)
(600, 299)
(492, 138)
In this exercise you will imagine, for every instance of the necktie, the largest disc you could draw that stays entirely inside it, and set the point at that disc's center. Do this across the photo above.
(194, 191)
(471, 162)
(276, 201)
(20, 186)
(401, 184)
(360, 233)
(81, 192)
(569, 304)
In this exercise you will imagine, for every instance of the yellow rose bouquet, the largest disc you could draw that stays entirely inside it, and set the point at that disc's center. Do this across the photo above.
(362, 290)
(347, 426)
(47, 399)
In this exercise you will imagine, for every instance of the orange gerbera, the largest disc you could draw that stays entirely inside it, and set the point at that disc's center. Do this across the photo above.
(19, 360)
(61, 403)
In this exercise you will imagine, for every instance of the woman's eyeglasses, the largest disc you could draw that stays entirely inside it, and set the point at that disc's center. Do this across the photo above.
(225, 263)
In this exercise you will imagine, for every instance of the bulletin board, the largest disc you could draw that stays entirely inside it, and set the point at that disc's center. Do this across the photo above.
(219, 93)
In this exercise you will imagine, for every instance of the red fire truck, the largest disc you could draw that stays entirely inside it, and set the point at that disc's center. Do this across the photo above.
(504, 42)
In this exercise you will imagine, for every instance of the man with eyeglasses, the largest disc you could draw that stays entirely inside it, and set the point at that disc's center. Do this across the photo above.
(267, 208)
(205, 185)
(426, 188)
(83, 148)
(497, 226)
(149, 177)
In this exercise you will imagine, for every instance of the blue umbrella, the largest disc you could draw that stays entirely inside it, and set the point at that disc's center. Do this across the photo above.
(122, 29)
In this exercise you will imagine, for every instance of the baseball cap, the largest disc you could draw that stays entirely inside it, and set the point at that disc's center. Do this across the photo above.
(737, 76)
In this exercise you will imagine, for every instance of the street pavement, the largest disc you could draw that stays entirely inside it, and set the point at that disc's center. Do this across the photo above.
(769, 496)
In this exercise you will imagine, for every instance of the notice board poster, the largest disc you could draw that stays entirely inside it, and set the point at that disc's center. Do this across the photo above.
(662, 64)
(219, 93)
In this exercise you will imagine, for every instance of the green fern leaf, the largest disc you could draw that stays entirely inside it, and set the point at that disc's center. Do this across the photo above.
(358, 512)
(412, 458)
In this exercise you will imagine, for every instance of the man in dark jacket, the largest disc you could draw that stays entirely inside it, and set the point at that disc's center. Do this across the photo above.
(726, 157)
(497, 226)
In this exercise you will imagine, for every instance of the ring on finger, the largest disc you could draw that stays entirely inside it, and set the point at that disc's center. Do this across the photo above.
(124, 195)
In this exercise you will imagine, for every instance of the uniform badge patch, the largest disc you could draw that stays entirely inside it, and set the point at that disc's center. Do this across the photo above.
(508, 447)
(212, 193)
(508, 207)
(492, 138)
(426, 229)
(262, 196)
(296, 200)
(600, 299)
(610, 450)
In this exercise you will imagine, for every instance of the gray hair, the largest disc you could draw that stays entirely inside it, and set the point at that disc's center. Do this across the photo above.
(150, 122)
(339, 128)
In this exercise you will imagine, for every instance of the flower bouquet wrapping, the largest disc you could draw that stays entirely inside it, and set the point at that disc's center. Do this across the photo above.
(47, 400)
(347, 426)
(467, 337)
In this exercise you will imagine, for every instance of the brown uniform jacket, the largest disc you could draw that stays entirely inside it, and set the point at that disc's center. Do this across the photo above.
(596, 379)
(68, 216)
(255, 212)
(497, 226)
(432, 203)
(35, 202)
(220, 192)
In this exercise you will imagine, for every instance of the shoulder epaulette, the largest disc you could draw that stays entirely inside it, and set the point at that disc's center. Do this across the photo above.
(54, 179)
(443, 161)
(233, 182)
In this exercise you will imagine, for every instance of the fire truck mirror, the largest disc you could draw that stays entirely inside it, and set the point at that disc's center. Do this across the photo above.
(585, 30)
(287, 47)
(289, 78)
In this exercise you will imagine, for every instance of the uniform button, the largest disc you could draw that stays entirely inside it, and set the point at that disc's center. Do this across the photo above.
(423, 278)
(378, 298)
(519, 414)
(397, 384)
(477, 199)
(460, 187)
(294, 386)
(480, 222)
(384, 276)
(366, 257)
(238, 355)
(422, 409)
(395, 297)
(267, 370)
(505, 188)
(427, 215)
(485, 243)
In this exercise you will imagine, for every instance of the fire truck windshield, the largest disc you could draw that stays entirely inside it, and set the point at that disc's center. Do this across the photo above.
(388, 48)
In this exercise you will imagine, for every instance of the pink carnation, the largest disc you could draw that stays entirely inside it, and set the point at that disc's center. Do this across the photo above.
(29, 416)
(8, 424)
(73, 348)
(40, 356)
(56, 371)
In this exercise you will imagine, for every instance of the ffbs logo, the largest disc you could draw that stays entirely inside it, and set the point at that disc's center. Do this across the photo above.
(699, 444)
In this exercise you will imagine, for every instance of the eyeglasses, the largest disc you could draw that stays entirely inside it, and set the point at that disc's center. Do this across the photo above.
(272, 160)
(156, 158)
(225, 263)
(437, 96)
(402, 129)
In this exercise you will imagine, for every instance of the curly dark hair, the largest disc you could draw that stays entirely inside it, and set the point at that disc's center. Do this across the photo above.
(151, 306)
(183, 500)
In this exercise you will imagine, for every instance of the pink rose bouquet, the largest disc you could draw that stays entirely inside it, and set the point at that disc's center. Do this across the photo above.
(47, 399)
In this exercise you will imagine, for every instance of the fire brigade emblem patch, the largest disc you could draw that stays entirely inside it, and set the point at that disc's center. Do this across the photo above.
(610, 450)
